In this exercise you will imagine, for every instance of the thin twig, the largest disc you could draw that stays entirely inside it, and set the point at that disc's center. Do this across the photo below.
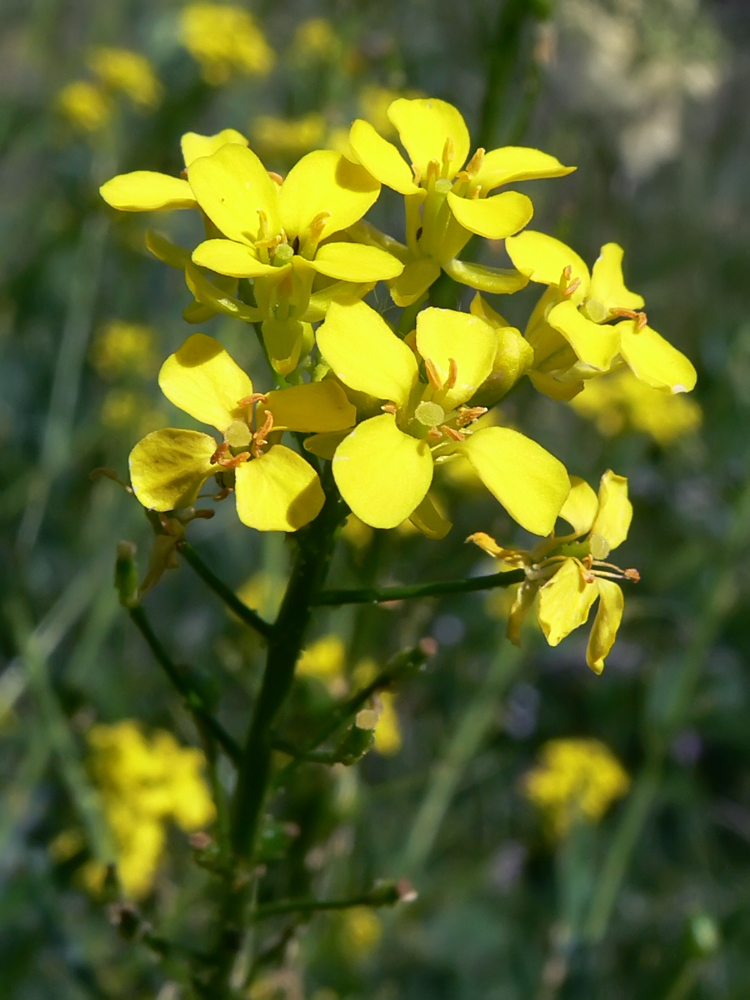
(384, 896)
(380, 595)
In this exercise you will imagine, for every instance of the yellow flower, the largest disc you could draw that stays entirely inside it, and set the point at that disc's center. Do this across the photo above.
(361, 931)
(123, 347)
(143, 784)
(128, 72)
(384, 467)
(275, 488)
(263, 592)
(315, 39)
(569, 573)
(374, 102)
(621, 400)
(85, 105)
(571, 328)
(225, 39)
(388, 729)
(325, 659)
(289, 136)
(448, 198)
(575, 779)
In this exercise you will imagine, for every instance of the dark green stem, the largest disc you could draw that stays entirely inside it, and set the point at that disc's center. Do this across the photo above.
(192, 698)
(222, 590)
(315, 548)
(385, 896)
(380, 595)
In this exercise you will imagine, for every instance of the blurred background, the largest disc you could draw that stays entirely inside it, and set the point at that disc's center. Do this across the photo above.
(529, 889)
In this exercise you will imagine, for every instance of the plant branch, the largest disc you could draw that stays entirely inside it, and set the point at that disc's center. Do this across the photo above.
(192, 698)
(385, 895)
(380, 595)
(222, 590)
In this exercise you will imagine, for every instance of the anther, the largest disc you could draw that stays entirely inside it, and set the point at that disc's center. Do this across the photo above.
(249, 400)
(261, 435)
(454, 434)
(433, 375)
(317, 225)
(448, 150)
(263, 220)
(389, 408)
(632, 574)
(452, 374)
(475, 163)
(275, 177)
(223, 457)
(572, 288)
(468, 414)
(434, 433)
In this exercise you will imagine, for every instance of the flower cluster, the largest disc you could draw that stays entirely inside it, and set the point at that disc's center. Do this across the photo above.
(388, 406)
(88, 104)
(225, 40)
(144, 783)
(575, 780)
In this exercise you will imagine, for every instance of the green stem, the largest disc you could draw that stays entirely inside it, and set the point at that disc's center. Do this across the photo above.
(192, 698)
(222, 590)
(385, 896)
(315, 548)
(380, 595)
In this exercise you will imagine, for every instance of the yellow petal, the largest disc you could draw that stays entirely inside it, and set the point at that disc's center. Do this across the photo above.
(550, 386)
(612, 522)
(494, 218)
(495, 280)
(169, 467)
(608, 290)
(581, 507)
(444, 335)
(424, 125)
(606, 624)
(381, 158)
(232, 187)
(430, 519)
(167, 251)
(654, 360)
(147, 191)
(284, 340)
(565, 602)
(516, 163)
(211, 294)
(520, 608)
(595, 345)
(383, 474)
(530, 483)
(315, 407)
(279, 491)
(194, 145)
(355, 262)
(324, 181)
(339, 291)
(416, 278)
(235, 259)
(324, 445)
(544, 259)
(365, 354)
(204, 381)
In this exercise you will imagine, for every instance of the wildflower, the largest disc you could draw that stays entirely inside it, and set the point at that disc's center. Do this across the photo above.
(575, 779)
(85, 105)
(122, 347)
(447, 198)
(280, 234)
(388, 730)
(360, 931)
(289, 136)
(275, 488)
(224, 39)
(325, 659)
(620, 400)
(572, 330)
(569, 573)
(263, 592)
(127, 72)
(144, 783)
(315, 40)
(384, 467)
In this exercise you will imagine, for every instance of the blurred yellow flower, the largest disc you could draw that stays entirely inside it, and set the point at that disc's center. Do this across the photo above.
(85, 105)
(263, 593)
(123, 408)
(325, 658)
(621, 400)
(356, 532)
(374, 102)
(575, 779)
(293, 136)
(361, 931)
(144, 783)
(388, 739)
(224, 39)
(315, 39)
(126, 72)
(122, 348)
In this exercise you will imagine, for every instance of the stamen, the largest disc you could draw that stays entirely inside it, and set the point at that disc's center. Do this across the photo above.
(468, 414)
(642, 321)
(632, 574)
(433, 375)
(448, 151)
(275, 177)
(261, 435)
(249, 400)
(453, 434)
(223, 457)
(452, 374)
(572, 288)
(389, 408)
(263, 219)
(433, 171)
(317, 226)
(475, 163)
(434, 433)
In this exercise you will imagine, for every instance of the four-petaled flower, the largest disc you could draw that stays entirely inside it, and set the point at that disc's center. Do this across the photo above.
(569, 573)
(384, 466)
(571, 327)
(275, 488)
(446, 196)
